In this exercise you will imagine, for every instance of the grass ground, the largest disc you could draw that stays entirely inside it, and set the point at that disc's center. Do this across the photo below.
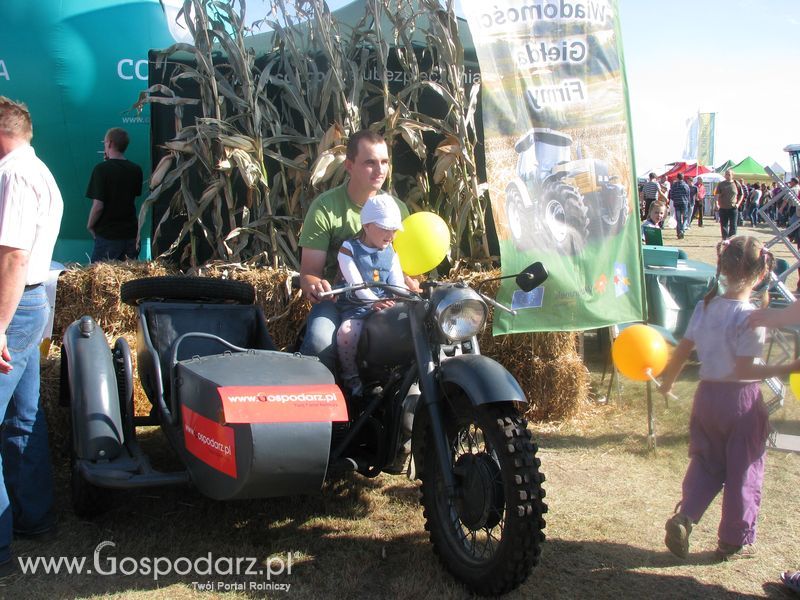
(608, 493)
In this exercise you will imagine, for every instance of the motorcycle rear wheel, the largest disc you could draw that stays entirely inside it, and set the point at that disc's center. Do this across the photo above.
(489, 536)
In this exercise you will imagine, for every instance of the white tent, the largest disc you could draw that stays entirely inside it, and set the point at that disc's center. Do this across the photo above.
(778, 170)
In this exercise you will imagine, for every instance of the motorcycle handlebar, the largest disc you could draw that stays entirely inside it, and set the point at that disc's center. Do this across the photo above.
(399, 292)
(342, 290)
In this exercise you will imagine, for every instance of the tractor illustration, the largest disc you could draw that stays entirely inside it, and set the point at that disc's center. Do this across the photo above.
(555, 202)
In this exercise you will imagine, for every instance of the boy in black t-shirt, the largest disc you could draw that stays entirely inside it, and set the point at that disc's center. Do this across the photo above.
(113, 188)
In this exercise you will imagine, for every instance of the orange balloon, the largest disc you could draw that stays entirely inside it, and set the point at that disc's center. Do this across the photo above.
(639, 349)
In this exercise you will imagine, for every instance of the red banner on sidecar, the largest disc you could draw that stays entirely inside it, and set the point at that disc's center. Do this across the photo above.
(282, 403)
(209, 441)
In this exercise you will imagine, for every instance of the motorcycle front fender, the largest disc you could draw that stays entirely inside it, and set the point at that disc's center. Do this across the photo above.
(483, 379)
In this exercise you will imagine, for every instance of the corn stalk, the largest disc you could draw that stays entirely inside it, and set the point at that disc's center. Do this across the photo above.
(273, 131)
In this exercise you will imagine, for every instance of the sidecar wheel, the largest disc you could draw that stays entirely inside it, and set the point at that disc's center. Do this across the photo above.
(489, 536)
(88, 500)
(174, 287)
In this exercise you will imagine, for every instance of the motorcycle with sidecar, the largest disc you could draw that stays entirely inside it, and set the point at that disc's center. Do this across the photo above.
(249, 421)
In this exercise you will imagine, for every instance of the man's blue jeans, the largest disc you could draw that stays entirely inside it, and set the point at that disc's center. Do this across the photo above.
(105, 249)
(26, 493)
(320, 338)
(681, 212)
(727, 222)
(752, 212)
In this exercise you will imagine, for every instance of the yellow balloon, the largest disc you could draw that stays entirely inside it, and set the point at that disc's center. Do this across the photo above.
(639, 349)
(423, 243)
(794, 383)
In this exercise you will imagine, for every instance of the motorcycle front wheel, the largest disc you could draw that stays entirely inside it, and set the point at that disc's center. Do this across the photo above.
(489, 534)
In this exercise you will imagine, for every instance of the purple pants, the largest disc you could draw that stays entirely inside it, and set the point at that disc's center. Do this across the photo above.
(727, 446)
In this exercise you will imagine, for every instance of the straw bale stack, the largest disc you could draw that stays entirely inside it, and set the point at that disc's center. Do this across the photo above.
(94, 291)
(284, 308)
(546, 365)
(57, 417)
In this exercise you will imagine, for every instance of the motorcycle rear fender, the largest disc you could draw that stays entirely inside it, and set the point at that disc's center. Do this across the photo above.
(483, 381)
(94, 398)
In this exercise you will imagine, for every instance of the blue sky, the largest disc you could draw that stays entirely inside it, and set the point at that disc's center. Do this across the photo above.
(738, 58)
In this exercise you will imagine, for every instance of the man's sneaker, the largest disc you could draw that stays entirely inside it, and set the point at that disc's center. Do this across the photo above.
(791, 579)
(678, 527)
(727, 551)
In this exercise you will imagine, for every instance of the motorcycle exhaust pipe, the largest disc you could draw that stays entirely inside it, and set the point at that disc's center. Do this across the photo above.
(343, 465)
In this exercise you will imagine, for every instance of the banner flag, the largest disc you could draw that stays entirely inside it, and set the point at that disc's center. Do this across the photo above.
(705, 139)
(559, 161)
(690, 146)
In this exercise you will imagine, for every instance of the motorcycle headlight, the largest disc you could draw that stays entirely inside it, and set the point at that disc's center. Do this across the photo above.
(460, 314)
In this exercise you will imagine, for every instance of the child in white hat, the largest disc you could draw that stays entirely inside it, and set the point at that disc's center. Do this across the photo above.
(367, 257)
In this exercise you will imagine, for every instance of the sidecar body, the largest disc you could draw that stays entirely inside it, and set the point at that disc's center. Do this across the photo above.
(244, 419)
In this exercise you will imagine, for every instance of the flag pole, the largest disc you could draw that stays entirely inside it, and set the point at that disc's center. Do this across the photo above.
(697, 144)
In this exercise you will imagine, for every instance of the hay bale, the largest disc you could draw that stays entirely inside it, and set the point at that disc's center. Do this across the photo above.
(94, 291)
(284, 308)
(554, 344)
(557, 388)
(57, 416)
(546, 365)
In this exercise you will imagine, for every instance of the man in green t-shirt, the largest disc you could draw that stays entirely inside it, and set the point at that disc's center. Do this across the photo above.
(335, 216)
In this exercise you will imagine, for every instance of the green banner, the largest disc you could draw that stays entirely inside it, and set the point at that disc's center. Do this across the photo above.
(705, 139)
(559, 161)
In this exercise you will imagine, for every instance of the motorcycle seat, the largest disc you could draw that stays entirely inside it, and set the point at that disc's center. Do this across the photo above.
(240, 325)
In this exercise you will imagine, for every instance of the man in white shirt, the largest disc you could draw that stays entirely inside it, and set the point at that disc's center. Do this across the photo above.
(30, 218)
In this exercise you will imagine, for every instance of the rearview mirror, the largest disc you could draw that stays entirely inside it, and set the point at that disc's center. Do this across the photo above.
(532, 277)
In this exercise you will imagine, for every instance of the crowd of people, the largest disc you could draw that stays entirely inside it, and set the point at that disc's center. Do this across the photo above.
(733, 203)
